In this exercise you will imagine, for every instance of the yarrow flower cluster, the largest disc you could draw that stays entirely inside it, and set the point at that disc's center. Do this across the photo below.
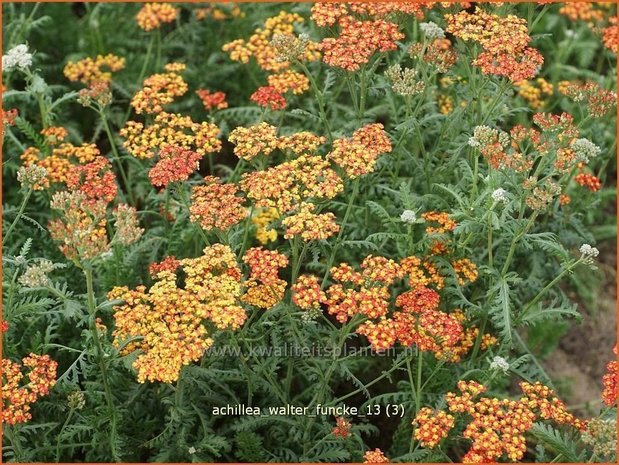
(37, 275)
(496, 427)
(505, 41)
(609, 380)
(91, 70)
(588, 253)
(500, 195)
(403, 81)
(408, 216)
(375, 456)
(264, 288)
(153, 15)
(17, 396)
(160, 89)
(17, 57)
(358, 154)
(269, 97)
(212, 100)
(168, 319)
(216, 205)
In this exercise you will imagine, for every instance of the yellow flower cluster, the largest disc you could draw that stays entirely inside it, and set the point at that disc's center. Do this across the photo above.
(218, 13)
(170, 129)
(153, 15)
(264, 288)
(309, 225)
(535, 92)
(262, 221)
(168, 319)
(289, 80)
(358, 155)
(91, 70)
(160, 89)
(254, 140)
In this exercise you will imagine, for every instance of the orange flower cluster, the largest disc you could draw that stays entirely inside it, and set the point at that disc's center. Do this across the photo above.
(445, 223)
(289, 80)
(258, 45)
(358, 154)
(497, 426)
(219, 13)
(328, 13)
(95, 180)
(17, 398)
(609, 380)
(90, 70)
(264, 288)
(174, 164)
(610, 36)
(583, 11)
(170, 129)
(212, 100)
(306, 293)
(98, 91)
(250, 142)
(169, 319)
(168, 264)
(291, 183)
(375, 456)
(358, 41)
(215, 205)
(309, 225)
(466, 271)
(505, 42)
(432, 426)
(160, 89)
(9, 116)
(599, 101)
(269, 97)
(153, 15)
(589, 181)
(455, 353)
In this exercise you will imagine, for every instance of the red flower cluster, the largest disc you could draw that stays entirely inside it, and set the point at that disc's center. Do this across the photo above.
(215, 205)
(358, 41)
(342, 428)
(589, 181)
(269, 97)
(175, 164)
(95, 180)
(264, 287)
(611, 392)
(599, 101)
(17, 397)
(212, 100)
(168, 264)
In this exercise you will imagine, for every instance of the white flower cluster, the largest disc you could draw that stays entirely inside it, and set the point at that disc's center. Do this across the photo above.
(500, 195)
(499, 364)
(408, 216)
(485, 135)
(17, 57)
(585, 149)
(588, 253)
(432, 30)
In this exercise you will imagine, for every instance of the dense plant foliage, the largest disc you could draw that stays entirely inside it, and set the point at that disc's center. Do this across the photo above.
(303, 232)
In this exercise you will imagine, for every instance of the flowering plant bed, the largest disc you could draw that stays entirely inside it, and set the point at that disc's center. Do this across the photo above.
(313, 232)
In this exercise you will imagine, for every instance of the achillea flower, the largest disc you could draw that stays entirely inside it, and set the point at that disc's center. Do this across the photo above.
(175, 164)
(381, 335)
(432, 426)
(264, 288)
(269, 97)
(610, 36)
(54, 135)
(306, 293)
(342, 428)
(328, 13)
(289, 80)
(250, 142)
(584, 150)
(358, 155)
(599, 101)
(439, 53)
(9, 116)
(403, 81)
(309, 225)
(504, 40)
(534, 92)
(212, 100)
(301, 143)
(268, 55)
(500, 195)
(589, 181)
(583, 11)
(153, 15)
(170, 129)
(81, 228)
(375, 456)
(288, 184)
(98, 91)
(445, 224)
(418, 300)
(17, 57)
(96, 180)
(601, 434)
(358, 41)
(263, 220)
(432, 30)
(160, 89)
(408, 216)
(497, 427)
(167, 265)
(169, 319)
(542, 195)
(126, 223)
(32, 176)
(609, 380)
(465, 270)
(215, 205)
(17, 396)
(36, 275)
(89, 70)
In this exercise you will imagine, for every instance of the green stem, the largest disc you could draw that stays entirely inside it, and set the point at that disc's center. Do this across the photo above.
(517, 237)
(117, 159)
(338, 240)
(100, 356)
(20, 213)
(319, 99)
(64, 425)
